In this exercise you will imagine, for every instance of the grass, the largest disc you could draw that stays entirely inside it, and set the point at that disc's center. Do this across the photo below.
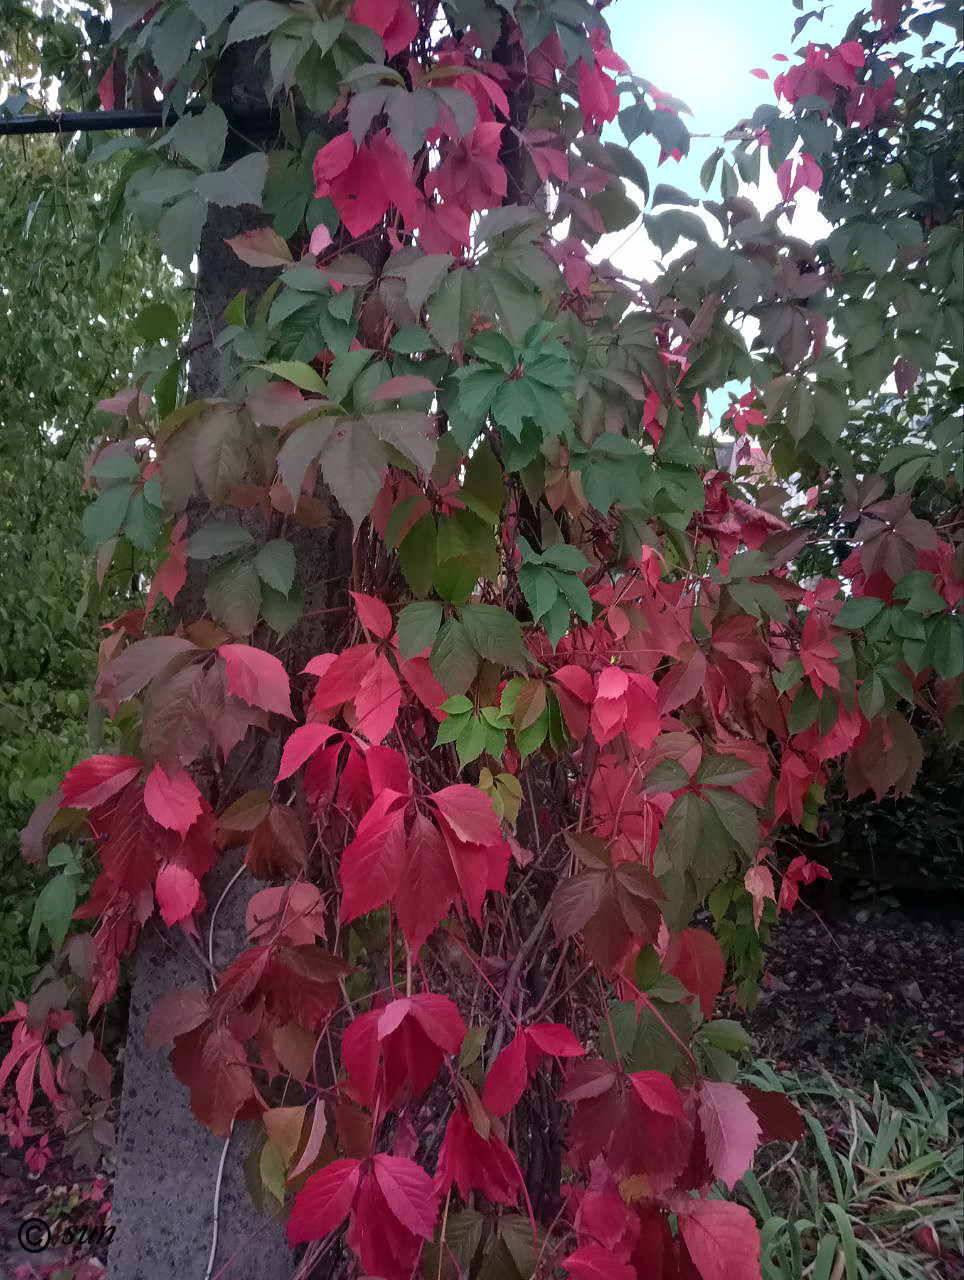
(874, 1190)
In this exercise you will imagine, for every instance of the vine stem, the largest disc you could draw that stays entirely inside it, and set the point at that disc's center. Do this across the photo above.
(513, 975)
(219, 1182)
(214, 915)
(441, 1240)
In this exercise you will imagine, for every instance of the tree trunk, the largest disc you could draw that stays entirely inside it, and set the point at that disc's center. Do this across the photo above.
(168, 1180)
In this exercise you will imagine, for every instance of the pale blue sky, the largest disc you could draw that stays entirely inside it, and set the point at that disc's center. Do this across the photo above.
(703, 51)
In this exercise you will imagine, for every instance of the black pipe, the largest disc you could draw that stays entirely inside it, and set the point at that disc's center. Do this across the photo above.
(97, 121)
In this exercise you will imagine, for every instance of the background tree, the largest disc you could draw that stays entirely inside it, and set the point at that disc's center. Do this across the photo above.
(74, 313)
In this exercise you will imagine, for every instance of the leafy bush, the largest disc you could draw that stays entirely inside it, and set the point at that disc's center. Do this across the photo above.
(67, 330)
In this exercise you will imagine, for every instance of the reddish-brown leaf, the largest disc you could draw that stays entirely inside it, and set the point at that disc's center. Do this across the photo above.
(257, 678)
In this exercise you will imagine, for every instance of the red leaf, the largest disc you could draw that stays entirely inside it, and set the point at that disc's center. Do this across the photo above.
(396, 1050)
(409, 1192)
(277, 849)
(721, 1238)
(374, 615)
(95, 780)
(214, 1066)
(554, 1039)
(730, 1130)
(438, 1017)
(301, 745)
(759, 73)
(394, 20)
(386, 1248)
(323, 1203)
(758, 883)
(657, 1092)
(469, 814)
(171, 574)
(33, 836)
(130, 840)
(592, 1262)
(172, 800)
(507, 1077)
(371, 866)
(360, 1055)
(174, 1014)
(589, 1079)
(378, 700)
(474, 1162)
(295, 912)
(177, 891)
(780, 1121)
(603, 1217)
(257, 678)
(427, 884)
(700, 967)
(105, 89)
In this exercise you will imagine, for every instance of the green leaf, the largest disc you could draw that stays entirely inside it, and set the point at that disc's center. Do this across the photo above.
(345, 370)
(452, 308)
(476, 391)
(411, 340)
(281, 612)
(213, 12)
(116, 466)
(453, 659)
(452, 726)
(418, 626)
(667, 776)
(418, 555)
(872, 696)
(496, 635)
(483, 487)
(241, 183)
(539, 588)
(857, 612)
(179, 230)
(738, 817)
(275, 564)
(233, 594)
(259, 18)
(803, 710)
(54, 909)
(105, 515)
(353, 465)
(723, 771)
(158, 323)
(142, 524)
(683, 828)
(575, 592)
(297, 372)
(471, 741)
(217, 538)
(199, 139)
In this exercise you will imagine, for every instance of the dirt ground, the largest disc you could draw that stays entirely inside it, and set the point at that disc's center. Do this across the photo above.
(841, 987)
